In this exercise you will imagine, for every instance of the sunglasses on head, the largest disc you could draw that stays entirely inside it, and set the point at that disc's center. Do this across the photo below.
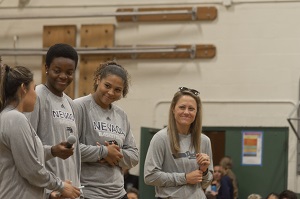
(195, 92)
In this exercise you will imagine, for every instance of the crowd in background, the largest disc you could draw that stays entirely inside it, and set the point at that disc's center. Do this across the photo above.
(225, 185)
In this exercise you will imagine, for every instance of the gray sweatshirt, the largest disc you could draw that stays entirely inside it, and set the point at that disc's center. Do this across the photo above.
(22, 173)
(54, 121)
(99, 125)
(167, 172)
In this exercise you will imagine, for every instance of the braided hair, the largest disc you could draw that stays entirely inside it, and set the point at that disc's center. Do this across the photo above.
(11, 80)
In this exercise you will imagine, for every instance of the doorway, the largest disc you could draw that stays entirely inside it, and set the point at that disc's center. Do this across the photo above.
(217, 139)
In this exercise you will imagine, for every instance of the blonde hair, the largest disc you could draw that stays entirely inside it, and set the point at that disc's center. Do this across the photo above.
(254, 196)
(195, 128)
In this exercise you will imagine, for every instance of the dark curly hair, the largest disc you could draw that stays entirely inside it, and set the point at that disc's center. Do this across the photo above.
(112, 68)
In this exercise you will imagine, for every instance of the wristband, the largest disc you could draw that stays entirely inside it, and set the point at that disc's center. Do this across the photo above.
(204, 173)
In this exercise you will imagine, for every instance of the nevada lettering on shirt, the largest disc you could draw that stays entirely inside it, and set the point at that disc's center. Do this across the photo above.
(62, 115)
(187, 154)
(103, 126)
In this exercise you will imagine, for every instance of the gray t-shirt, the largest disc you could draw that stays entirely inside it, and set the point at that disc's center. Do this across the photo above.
(166, 171)
(22, 173)
(54, 121)
(99, 125)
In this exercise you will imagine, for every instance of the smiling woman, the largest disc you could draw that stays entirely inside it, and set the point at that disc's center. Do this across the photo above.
(18, 140)
(107, 143)
(179, 157)
(54, 117)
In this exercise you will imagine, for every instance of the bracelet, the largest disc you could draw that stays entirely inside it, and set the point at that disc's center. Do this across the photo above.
(204, 173)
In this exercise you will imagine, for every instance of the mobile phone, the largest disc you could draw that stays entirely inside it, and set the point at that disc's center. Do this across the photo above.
(214, 187)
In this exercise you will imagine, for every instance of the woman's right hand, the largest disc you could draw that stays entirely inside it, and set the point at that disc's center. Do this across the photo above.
(70, 191)
(194, 177)
(60, 150)
(114, 155)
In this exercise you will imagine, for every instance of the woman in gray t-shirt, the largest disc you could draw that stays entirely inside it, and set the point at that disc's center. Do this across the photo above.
(179, 157)
(22, 158)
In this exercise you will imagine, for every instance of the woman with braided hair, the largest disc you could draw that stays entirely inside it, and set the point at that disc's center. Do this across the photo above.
(107, 144)
(22, 155)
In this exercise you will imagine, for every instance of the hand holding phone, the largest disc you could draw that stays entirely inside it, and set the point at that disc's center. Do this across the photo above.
(214, 187)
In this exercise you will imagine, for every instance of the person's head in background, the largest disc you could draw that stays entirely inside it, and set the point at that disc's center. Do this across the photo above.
(254, 196)
(17, 88)
(217, 173)
(132, 193)
(185, 117)
(287, 194)
(111, 83)
(61, 62)
(273, 196)
(226, 162)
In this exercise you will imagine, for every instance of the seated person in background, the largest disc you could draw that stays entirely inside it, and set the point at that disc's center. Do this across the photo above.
(254, 196)
(226, 187)
(212, 190)
(130, 180)
(273, 196)
(132, 193)
(226, 163)
(287, 194)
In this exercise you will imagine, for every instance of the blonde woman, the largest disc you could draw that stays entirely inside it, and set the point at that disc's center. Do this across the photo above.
(179, 158)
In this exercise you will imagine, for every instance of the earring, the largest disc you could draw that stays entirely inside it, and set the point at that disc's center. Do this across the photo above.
(46, 72)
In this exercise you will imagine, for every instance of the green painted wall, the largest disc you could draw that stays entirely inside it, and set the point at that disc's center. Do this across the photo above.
(271, 176)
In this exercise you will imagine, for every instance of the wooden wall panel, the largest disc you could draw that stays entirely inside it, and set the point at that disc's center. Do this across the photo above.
(59, 34)
(201, 13)
(202, 51)
(96, 35)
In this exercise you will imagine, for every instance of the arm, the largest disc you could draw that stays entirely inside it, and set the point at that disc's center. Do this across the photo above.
(129, 151)
(23, 143)
(153, 173)
(91, 153)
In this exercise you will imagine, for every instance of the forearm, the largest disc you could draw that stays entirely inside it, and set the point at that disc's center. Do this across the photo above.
(130, 158)
(48, 152)
(163, 179)
(206, 179)
(91, 153)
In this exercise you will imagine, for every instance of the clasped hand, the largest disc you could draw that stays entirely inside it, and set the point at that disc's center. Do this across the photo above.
(196, 176)
(203, 161)
(113, 156)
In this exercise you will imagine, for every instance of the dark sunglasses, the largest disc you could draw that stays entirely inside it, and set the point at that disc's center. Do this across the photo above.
(195, 92)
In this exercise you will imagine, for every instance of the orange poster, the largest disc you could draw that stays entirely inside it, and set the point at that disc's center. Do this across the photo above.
(252, 148)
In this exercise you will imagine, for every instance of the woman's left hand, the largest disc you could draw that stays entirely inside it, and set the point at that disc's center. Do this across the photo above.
(203, 161)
